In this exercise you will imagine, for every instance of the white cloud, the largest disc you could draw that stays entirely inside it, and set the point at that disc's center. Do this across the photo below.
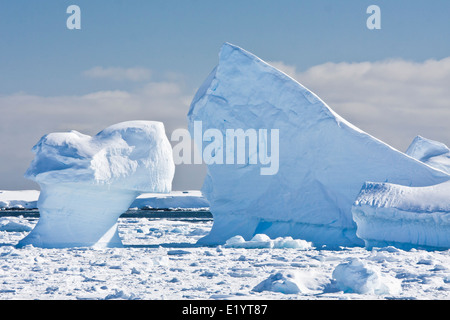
(394, 100)
(119, 74)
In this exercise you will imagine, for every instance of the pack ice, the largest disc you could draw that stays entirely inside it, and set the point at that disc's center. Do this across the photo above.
(323, 159)
(88, 182)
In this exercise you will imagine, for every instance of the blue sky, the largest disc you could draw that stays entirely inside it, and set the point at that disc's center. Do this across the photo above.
(55, 79)
(184, 36)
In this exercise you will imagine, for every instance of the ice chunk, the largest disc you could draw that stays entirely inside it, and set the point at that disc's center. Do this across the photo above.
(285, 282)
(14, 224)
(323, 159)
(404, 217)
(263, 241)
(88, 182)
(355, 276)
(433, 153)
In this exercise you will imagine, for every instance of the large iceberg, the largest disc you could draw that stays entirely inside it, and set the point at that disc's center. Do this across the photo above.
(323, 159)
(88, 182)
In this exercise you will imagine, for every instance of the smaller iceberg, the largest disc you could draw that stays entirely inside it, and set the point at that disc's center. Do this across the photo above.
(405, 217)
(88, 182)
(434, 153)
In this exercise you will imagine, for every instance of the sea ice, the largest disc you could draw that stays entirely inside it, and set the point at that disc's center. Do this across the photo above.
(88, 182)
(323, 159)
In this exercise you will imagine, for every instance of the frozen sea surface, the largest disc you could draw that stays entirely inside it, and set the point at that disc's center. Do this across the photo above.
(161, 261)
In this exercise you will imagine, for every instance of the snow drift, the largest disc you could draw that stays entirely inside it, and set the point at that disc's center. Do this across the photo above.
(355, 276)
(88, 182)
(323, 159)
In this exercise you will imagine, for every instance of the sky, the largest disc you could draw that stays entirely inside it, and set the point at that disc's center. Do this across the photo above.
(144, 60)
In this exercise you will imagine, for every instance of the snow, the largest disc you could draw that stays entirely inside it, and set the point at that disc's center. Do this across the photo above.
(263, 241)
(433, 153)
(323, 159)
(286, 283)
(405, 217)
(144, 269)
(14, 224)
(88, 182)
(358, 277)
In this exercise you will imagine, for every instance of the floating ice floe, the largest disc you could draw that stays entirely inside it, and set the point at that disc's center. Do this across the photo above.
(88, 182)
(323, 159)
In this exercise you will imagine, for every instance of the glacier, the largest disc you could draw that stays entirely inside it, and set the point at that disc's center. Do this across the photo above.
(323, 159)
(88, 182)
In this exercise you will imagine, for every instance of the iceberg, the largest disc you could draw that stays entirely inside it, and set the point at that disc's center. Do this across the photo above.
(404, 217)
(88, 182)
(323, 159)
(433, 153)
(190, 199)
(18, 199)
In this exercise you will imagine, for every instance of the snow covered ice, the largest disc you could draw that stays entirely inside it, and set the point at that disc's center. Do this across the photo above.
(323, 159)
(147, 268)
(88, 182)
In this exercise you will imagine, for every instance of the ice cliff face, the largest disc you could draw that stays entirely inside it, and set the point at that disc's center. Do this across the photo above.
(88, 182)
(323, 159)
